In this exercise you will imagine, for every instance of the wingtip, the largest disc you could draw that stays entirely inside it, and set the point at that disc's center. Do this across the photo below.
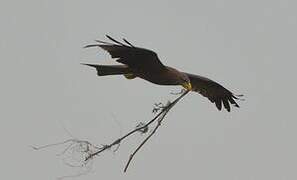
(91, 45)
(126, 41)
(109, 37)
(238, 96)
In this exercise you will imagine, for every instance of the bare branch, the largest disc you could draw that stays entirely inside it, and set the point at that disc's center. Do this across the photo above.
(164, 112)
(119, 140)
(146, 139)
(86, 151)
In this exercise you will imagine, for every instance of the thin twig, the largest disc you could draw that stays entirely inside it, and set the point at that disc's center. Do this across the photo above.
(88, 150)
(54, 144)
(119, 140)
(144, 141)
(164, 113)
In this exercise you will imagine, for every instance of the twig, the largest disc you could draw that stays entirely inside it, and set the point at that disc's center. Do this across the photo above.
(54, 144)
(119, 140)
(146, 139)
(89, 151)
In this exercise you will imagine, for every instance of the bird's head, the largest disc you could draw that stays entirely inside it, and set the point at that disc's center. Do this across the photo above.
(179, 78)
(185, 81)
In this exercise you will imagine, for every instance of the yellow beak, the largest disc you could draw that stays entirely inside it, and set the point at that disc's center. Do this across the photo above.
(187, 86)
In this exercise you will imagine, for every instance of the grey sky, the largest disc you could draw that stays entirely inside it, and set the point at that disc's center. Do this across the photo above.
(247, 46)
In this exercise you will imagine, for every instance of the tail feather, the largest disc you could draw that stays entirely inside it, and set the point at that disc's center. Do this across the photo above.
(105, 70)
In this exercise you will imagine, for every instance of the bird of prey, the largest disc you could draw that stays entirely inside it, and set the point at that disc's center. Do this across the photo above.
(145, 64)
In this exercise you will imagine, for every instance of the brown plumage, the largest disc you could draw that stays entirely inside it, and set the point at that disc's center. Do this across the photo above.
(145, 64)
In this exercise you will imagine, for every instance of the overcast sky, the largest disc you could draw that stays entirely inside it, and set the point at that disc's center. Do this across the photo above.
(247, 46)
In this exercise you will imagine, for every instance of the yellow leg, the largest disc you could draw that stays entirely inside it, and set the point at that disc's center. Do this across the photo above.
(130, 76)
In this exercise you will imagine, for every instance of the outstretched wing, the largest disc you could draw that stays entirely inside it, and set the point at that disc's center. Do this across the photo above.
(215, 92)
(130, 55)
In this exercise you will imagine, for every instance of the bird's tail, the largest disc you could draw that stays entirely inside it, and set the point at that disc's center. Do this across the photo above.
(105, 70)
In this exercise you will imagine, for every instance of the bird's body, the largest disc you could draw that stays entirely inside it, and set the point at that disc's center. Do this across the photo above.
(167, 76)
(144, 63)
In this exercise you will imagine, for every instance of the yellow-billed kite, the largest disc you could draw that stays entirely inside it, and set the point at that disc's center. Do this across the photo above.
(145, 64)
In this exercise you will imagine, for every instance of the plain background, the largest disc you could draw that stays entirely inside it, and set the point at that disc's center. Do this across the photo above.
(247, 46)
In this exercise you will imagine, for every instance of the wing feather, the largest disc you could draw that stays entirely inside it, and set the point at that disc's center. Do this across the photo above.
(218, 104)
(215, 92)
(130, 55)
